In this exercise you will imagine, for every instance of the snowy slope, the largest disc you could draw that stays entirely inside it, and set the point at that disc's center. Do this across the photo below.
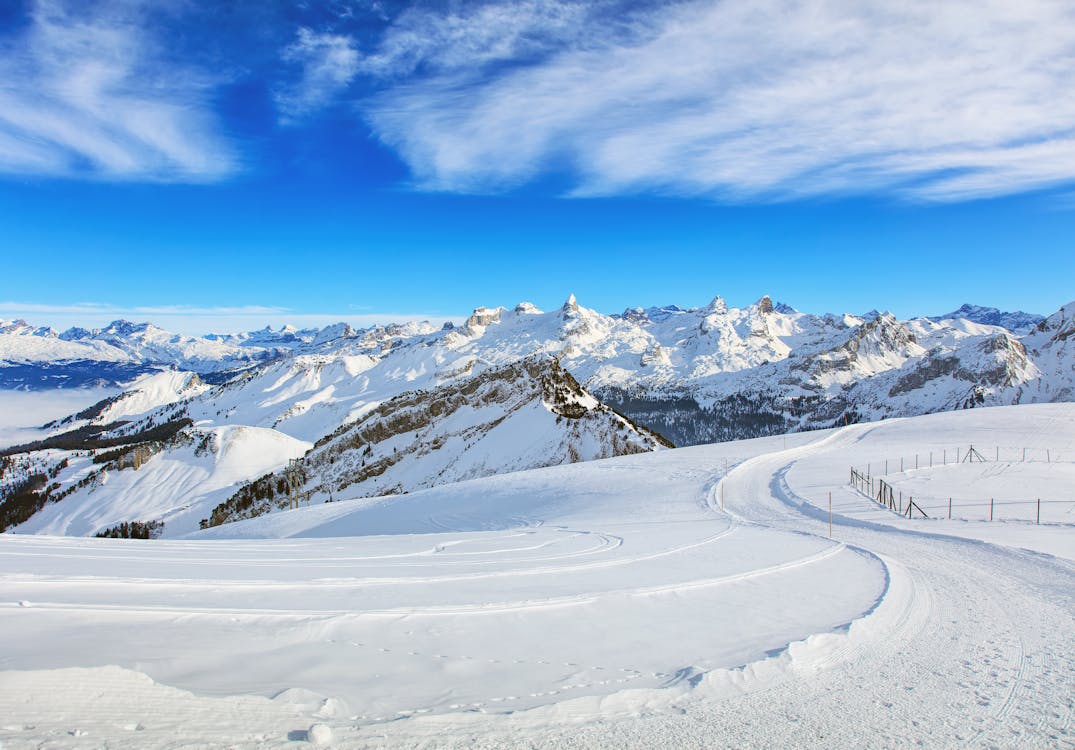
(123, 462)
(179, 486)
(521, 416)
(659, 600)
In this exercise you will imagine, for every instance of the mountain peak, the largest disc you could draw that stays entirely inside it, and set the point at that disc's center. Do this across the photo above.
(991, 316)
(717, 305)
(483, 316)
(125, 327)
(571, 305)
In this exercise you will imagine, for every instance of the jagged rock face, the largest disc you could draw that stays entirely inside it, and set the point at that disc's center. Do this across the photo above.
(483, 316)
(525, 415)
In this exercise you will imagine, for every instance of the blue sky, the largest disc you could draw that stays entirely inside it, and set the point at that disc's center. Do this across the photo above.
(216, 166)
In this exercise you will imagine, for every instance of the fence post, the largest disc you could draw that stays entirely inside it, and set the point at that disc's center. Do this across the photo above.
(957, 455)
(998, 454)
(1048, 458)
(945, 459)
(949, 509)
(886, 467)
(990, 509)
(901, 464)
(1039, 511)
(916, 461)
(1024, 455)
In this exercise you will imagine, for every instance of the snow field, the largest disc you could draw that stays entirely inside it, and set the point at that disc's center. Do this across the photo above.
(644, 601)
(981, 489)
(1014, 485)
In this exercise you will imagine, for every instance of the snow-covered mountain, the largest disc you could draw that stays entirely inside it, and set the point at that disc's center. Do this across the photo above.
(692, 375)
(41, 357)
(525, 415)
(991, 316)
(120, 462)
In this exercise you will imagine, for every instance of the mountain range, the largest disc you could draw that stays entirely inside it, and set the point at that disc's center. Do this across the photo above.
(204, 432)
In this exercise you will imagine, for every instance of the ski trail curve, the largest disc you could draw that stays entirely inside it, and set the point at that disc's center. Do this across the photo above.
(981, 656)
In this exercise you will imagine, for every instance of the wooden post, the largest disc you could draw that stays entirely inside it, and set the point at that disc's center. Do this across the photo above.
(1024, 455)
(1048, 457)
(998, 454)
(886, 467)
(830, 515)
(916, 461)
(949, 509)
(990, 509)
(901, 465)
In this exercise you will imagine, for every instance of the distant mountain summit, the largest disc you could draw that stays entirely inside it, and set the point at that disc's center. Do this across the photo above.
(991, 316)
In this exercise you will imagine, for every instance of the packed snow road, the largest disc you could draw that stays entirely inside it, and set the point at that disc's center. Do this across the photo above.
(650, 601)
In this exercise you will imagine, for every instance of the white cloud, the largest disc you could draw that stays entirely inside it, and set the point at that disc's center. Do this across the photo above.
(329, 62)
(466, 36)
(90, 96)
(747, 99)
(470, 35)
(196, 321)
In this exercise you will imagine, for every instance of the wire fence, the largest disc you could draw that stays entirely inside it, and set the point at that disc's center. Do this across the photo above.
(970, 454)
(883, 487)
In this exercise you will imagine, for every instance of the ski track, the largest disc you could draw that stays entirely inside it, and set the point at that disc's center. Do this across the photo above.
(983, 655)
(970, 645)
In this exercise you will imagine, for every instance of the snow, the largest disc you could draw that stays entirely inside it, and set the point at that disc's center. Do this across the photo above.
(319, 734)
(151, 391)
(179, 486)
(804, 370)
(681, 598)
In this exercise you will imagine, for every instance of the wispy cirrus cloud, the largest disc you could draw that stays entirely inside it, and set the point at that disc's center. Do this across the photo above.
(328, 61)
(468, 36)
(735, 100)
(194, 320)
(465, 37)
(86, 91)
